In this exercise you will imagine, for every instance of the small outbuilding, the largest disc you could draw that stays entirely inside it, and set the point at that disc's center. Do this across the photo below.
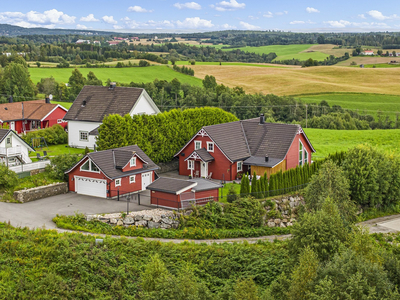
(178, 193)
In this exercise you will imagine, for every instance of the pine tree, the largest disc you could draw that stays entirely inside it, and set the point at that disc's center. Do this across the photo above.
(259, 194)
(254, 185)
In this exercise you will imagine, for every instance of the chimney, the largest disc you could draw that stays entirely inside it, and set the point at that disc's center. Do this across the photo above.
(83, 103)
(47, 99)
(10, 99)
(112, 85)
(262, 119)
(266, 158)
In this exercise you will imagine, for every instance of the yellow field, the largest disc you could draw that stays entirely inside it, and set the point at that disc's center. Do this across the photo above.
(367, 60)
(292, 81)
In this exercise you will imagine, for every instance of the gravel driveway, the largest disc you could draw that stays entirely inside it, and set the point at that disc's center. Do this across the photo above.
(40, 213)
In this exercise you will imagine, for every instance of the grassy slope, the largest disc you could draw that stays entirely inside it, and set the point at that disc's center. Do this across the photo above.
(66, 105)
(214, 63)
(365, 103)
(125, 75)
(331, 141)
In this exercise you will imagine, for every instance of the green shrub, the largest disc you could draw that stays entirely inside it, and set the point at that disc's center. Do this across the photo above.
(8, 178)
(60, 164)
(232, 196)
(54, 135)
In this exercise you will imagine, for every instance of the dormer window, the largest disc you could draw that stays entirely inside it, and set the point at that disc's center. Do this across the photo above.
(89, 166)
(133, 162)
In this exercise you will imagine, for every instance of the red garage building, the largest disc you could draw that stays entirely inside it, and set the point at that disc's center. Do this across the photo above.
(106, 173)
(178, 193)
(26, 116)
(223, 151)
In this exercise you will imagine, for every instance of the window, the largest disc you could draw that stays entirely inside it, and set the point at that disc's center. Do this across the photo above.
(133, 162)
(89, 166)
(197, 145)
(305, 156)
(210, 146)
(117, 182)
(8, 141)
(59, 121)
(190, 165)
(83, 136)
(300, 154)
(132, 179)
(239, 166)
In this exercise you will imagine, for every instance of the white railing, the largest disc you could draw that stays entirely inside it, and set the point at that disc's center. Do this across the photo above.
(30, 167)
(12, 151)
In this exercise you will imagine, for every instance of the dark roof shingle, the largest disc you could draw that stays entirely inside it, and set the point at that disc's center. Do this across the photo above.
(170, 185)
(95, 102)
(204, 155)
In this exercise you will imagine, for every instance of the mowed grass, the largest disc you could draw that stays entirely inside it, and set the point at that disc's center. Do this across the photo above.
(124, 75)
(54, 150)
(313, 80)
(327, 141)
(364, 103)
(66, 105)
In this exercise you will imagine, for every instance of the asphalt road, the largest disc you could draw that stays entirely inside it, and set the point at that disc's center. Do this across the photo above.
(39, 213)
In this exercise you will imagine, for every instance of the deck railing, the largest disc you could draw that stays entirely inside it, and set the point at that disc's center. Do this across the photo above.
(12, 151)
(30, 167)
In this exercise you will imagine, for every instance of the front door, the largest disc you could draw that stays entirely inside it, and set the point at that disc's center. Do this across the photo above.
(204, 167)
(146, 179)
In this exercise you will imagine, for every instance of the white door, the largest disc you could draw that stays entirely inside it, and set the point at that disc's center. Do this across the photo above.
(91, 186)
(203, 169)
(146, 179)
(12, 125)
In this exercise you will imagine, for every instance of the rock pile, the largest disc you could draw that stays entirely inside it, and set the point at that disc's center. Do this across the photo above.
(283, 211)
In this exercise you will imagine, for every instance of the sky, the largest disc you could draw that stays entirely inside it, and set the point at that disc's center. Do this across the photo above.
(210, 15)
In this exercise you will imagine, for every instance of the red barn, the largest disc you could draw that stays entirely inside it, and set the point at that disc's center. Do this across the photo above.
(178, 193)
(105, 173)
(31, 115)
(224, 151)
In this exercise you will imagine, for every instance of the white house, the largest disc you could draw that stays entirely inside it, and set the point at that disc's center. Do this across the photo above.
(368, 52)
(95, 102)
(14, 150)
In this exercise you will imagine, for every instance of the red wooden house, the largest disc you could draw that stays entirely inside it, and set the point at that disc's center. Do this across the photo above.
(224, 151)
(105, 173)
(178, 193)
(31, 115)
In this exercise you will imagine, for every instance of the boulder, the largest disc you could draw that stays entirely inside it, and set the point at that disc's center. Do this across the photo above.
(138, 218)
(271, 224)
(284, 220)
(113, 221)
(289, 224)
(156, 219)
(283, 225)
(166, 221)
(175, 225)
(152, 225)
(120, 223)
(91, 217)
(147, 218)
(129, 220)
(277, 221)
(165, 226)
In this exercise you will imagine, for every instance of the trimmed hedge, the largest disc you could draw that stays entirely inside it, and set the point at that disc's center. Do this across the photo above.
(54, 135)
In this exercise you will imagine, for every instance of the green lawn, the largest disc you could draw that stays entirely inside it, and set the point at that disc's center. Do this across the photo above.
(214, 63)
(66, 105)
(378, 66)
(57, 150)
(224, 191)
(283, 51)
(364, 103)
(125, 75)
(327, 141)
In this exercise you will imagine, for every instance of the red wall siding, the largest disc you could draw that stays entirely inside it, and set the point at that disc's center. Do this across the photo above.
(139, 165)
(58, 113)
(77, 172)
(292, 157)
(220, 165)
(18, 126)
(165, 199)
(210, 193)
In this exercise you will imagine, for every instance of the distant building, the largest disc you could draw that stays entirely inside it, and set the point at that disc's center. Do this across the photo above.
(368, 52)
(113, 43)
(96, 42)
(135, 39)
(82, 41)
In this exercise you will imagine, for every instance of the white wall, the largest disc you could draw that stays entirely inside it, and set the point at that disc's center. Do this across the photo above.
(73, 133)
(143, 106)
(15, 141)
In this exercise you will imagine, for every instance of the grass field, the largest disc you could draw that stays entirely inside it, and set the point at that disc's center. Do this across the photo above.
(331, 141)
(385, 65)
(125, 75)
(66, 105)
(314, 80)
(108, 63)
(364, 103)
(215, 63)
(57, 150)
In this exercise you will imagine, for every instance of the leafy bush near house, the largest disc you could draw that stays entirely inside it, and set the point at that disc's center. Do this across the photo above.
(159, 136)
(8, 178)
(54, 135)
(60, 164)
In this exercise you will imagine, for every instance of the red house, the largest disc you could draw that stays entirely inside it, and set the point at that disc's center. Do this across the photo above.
(105, 173)
(31, 115)
(223, 151)
(178, 193)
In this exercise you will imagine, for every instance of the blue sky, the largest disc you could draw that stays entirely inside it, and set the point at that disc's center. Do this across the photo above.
(193, 16)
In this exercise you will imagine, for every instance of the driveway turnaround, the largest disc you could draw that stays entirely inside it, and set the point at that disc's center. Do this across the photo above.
(39, 213)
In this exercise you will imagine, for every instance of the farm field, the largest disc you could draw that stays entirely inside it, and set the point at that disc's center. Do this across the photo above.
(365, 60)
(385, 65)
(108, 63)
(215, 63)
(364, 103)
(125, 75)
(330, 141)
(313, 80)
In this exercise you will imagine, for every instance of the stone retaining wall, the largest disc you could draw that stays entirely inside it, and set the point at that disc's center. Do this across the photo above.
(284, 211)
(41, 192)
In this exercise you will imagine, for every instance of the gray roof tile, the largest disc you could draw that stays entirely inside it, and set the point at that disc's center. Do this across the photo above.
(204, 154)
(170, 185)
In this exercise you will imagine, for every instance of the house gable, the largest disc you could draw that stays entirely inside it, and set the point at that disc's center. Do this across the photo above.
(144, 105)
(136, 162)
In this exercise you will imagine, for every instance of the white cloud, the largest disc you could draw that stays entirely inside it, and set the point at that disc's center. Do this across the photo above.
(268, 15)
(338, 24)
(118, 27)
(362, 16)
(228, 5)
(253, 18)
(89, 18)
(297, 22)
(188, 5)
(248, 26)
(139, 9)
(195, 22)
(109, 20)
(311, 10)
(227, 26)
(79, 26)
(47, 19)
(343, 24)
(280, 13)
(379, 16)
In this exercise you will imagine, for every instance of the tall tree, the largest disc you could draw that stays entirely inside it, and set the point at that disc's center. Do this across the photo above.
(76, 82)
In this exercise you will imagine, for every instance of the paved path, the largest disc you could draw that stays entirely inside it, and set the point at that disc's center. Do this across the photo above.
(383, 224)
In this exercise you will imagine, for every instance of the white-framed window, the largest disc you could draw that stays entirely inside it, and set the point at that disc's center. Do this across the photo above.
(210, 146)
(301, 148)
(197, 145)
(239, 166)
(133, 162)
(132, 179)
(8, 141)
(118, 182)
(89, 166)
(84, 136)
(305, 156)
(190, 165)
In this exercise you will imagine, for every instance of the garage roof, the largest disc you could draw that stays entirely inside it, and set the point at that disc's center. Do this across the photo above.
(171, 185)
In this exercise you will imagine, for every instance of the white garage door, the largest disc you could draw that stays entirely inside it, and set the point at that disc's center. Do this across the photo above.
(146, 179)
(91, 187)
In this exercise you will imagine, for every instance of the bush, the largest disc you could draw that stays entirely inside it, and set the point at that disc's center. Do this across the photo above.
(232, 196)
(54, 135)
(8, 178)
(144, 63)
(60, 164)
